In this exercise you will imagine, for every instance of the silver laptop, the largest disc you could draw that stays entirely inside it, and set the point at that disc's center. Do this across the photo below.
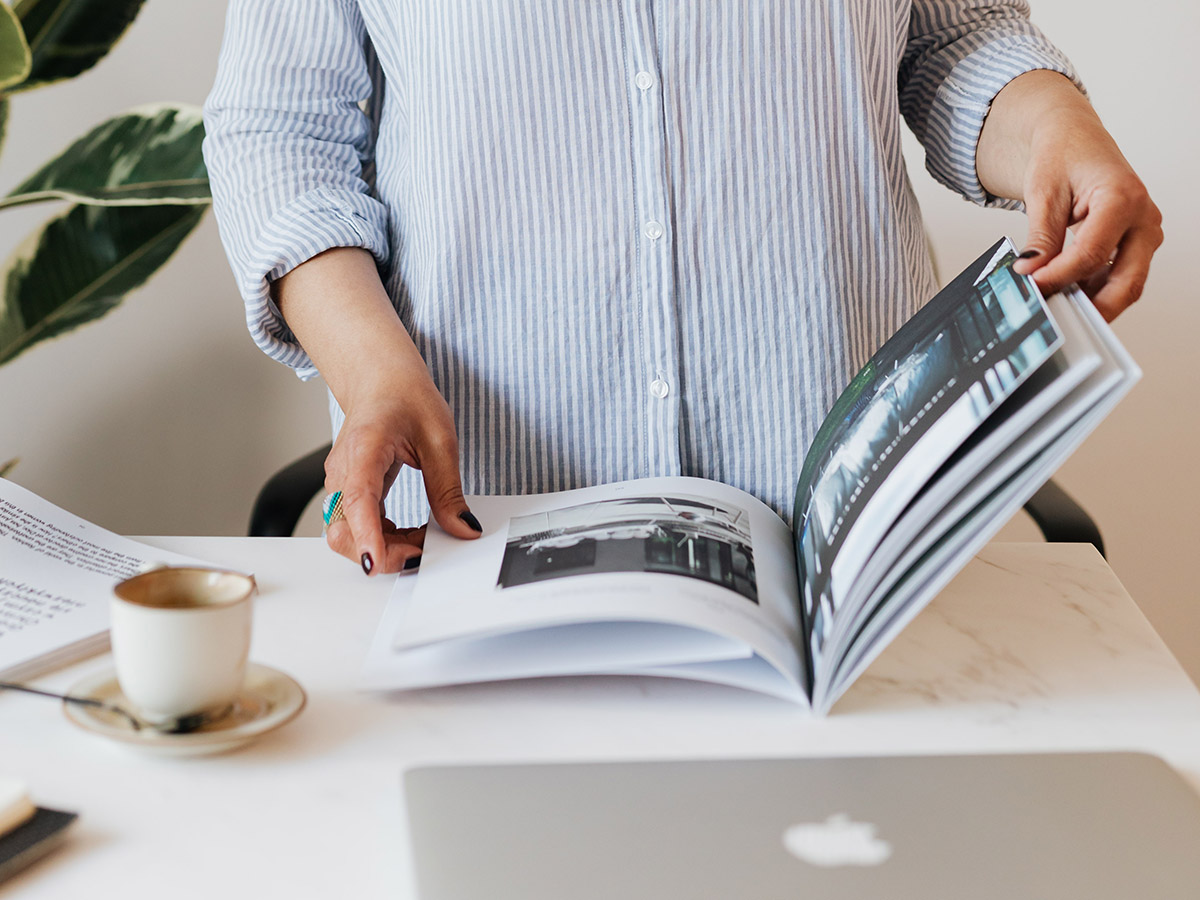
(1093, 826)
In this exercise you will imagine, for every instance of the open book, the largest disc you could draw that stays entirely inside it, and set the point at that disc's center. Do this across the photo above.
(954, 423)
(57, 572)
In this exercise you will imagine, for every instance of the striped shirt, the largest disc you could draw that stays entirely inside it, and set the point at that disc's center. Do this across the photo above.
(629, 237)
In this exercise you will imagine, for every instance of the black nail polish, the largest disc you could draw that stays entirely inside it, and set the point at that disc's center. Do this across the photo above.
(1030, 254)
(467, 516)
(367, 563)
(412, 562)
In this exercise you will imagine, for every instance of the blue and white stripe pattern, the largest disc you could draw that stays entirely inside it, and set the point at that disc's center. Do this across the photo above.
(630, 237)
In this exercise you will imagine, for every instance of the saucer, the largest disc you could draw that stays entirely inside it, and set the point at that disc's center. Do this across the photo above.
(268, 700)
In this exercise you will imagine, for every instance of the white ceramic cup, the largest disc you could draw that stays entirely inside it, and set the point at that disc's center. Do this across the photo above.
(180, 640)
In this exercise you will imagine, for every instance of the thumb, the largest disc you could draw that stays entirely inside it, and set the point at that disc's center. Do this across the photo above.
(443, 487)
(1049, 213)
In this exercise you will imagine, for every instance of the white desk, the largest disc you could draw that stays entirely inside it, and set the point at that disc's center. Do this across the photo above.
(1035, 646)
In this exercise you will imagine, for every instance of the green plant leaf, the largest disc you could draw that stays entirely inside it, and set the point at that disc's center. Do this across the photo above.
(3, 119)
(67, 37)
(147, 156)
(14, 50)
(7, 467)
(80, 264)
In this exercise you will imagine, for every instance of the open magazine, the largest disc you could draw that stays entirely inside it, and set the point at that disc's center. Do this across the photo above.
(954, 423)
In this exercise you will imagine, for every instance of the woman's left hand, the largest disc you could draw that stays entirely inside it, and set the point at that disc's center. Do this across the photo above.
(1043, 144)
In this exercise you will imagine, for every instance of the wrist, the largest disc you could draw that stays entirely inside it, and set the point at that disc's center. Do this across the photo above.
(1029, 108)
(378, 370)
(337, 307)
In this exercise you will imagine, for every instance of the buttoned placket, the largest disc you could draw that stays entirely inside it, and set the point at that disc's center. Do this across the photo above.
(655, 276)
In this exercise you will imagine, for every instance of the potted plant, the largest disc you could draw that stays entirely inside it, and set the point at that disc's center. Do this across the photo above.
(134, 186)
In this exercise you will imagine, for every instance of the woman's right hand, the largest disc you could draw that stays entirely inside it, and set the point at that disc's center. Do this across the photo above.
(408, 424)
(395, 416)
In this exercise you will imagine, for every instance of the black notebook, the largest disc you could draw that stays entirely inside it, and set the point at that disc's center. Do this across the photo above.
(32, 831)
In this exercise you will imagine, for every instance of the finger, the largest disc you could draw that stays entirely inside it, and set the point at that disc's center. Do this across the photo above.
(1096, 240)
(1049, 212)
(403, 549)
(344, 540)
(1095, 284)
(1127, 276)
(363, 479)
(337, 532)
(340, 539)
(443, 487)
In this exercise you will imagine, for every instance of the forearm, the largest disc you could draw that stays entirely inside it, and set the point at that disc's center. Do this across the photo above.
(337, 307)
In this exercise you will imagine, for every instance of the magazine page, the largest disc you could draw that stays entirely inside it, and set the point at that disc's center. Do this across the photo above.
(888, 616)
(976, 513)
(593, 648)
(751, 673)
(56, 577)
(918, 399)
(689, 553)
(1007, 440)
(993, 497)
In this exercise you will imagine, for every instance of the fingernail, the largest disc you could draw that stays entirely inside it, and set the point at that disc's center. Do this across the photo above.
(367, 563)
(412, 562)
(1030, 254)
(467, 516)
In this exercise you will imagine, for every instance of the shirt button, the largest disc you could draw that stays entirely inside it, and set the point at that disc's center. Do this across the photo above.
(652, 230)
(644, 80)
(659, 388)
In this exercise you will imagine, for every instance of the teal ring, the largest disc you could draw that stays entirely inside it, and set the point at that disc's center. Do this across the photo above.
(331, 508)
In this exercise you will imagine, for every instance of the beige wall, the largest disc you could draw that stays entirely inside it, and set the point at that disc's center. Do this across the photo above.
(163, 418)
(1137, 474)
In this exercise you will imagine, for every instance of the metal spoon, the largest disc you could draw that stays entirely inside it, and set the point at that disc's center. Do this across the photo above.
(181, 725)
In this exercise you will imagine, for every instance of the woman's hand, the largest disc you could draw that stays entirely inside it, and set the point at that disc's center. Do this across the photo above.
(395, 416)
(1042, 143)
(386, 427)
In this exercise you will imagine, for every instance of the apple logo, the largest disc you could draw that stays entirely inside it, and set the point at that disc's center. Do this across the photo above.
(838, 841)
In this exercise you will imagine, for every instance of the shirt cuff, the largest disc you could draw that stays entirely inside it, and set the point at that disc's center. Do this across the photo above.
(310, 224)
(962, 103)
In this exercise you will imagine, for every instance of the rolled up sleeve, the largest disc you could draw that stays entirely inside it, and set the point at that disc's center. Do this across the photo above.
(285, 144)
(959, 55)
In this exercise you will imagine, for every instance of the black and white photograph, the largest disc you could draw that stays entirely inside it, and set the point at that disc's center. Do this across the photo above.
(676, 535)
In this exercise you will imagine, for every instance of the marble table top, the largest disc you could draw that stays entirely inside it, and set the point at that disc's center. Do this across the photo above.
(1032, 647)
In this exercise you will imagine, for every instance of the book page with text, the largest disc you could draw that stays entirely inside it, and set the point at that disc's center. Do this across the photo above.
(56, 577)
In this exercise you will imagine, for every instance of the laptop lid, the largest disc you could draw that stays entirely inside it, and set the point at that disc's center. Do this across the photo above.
(1100, 826)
